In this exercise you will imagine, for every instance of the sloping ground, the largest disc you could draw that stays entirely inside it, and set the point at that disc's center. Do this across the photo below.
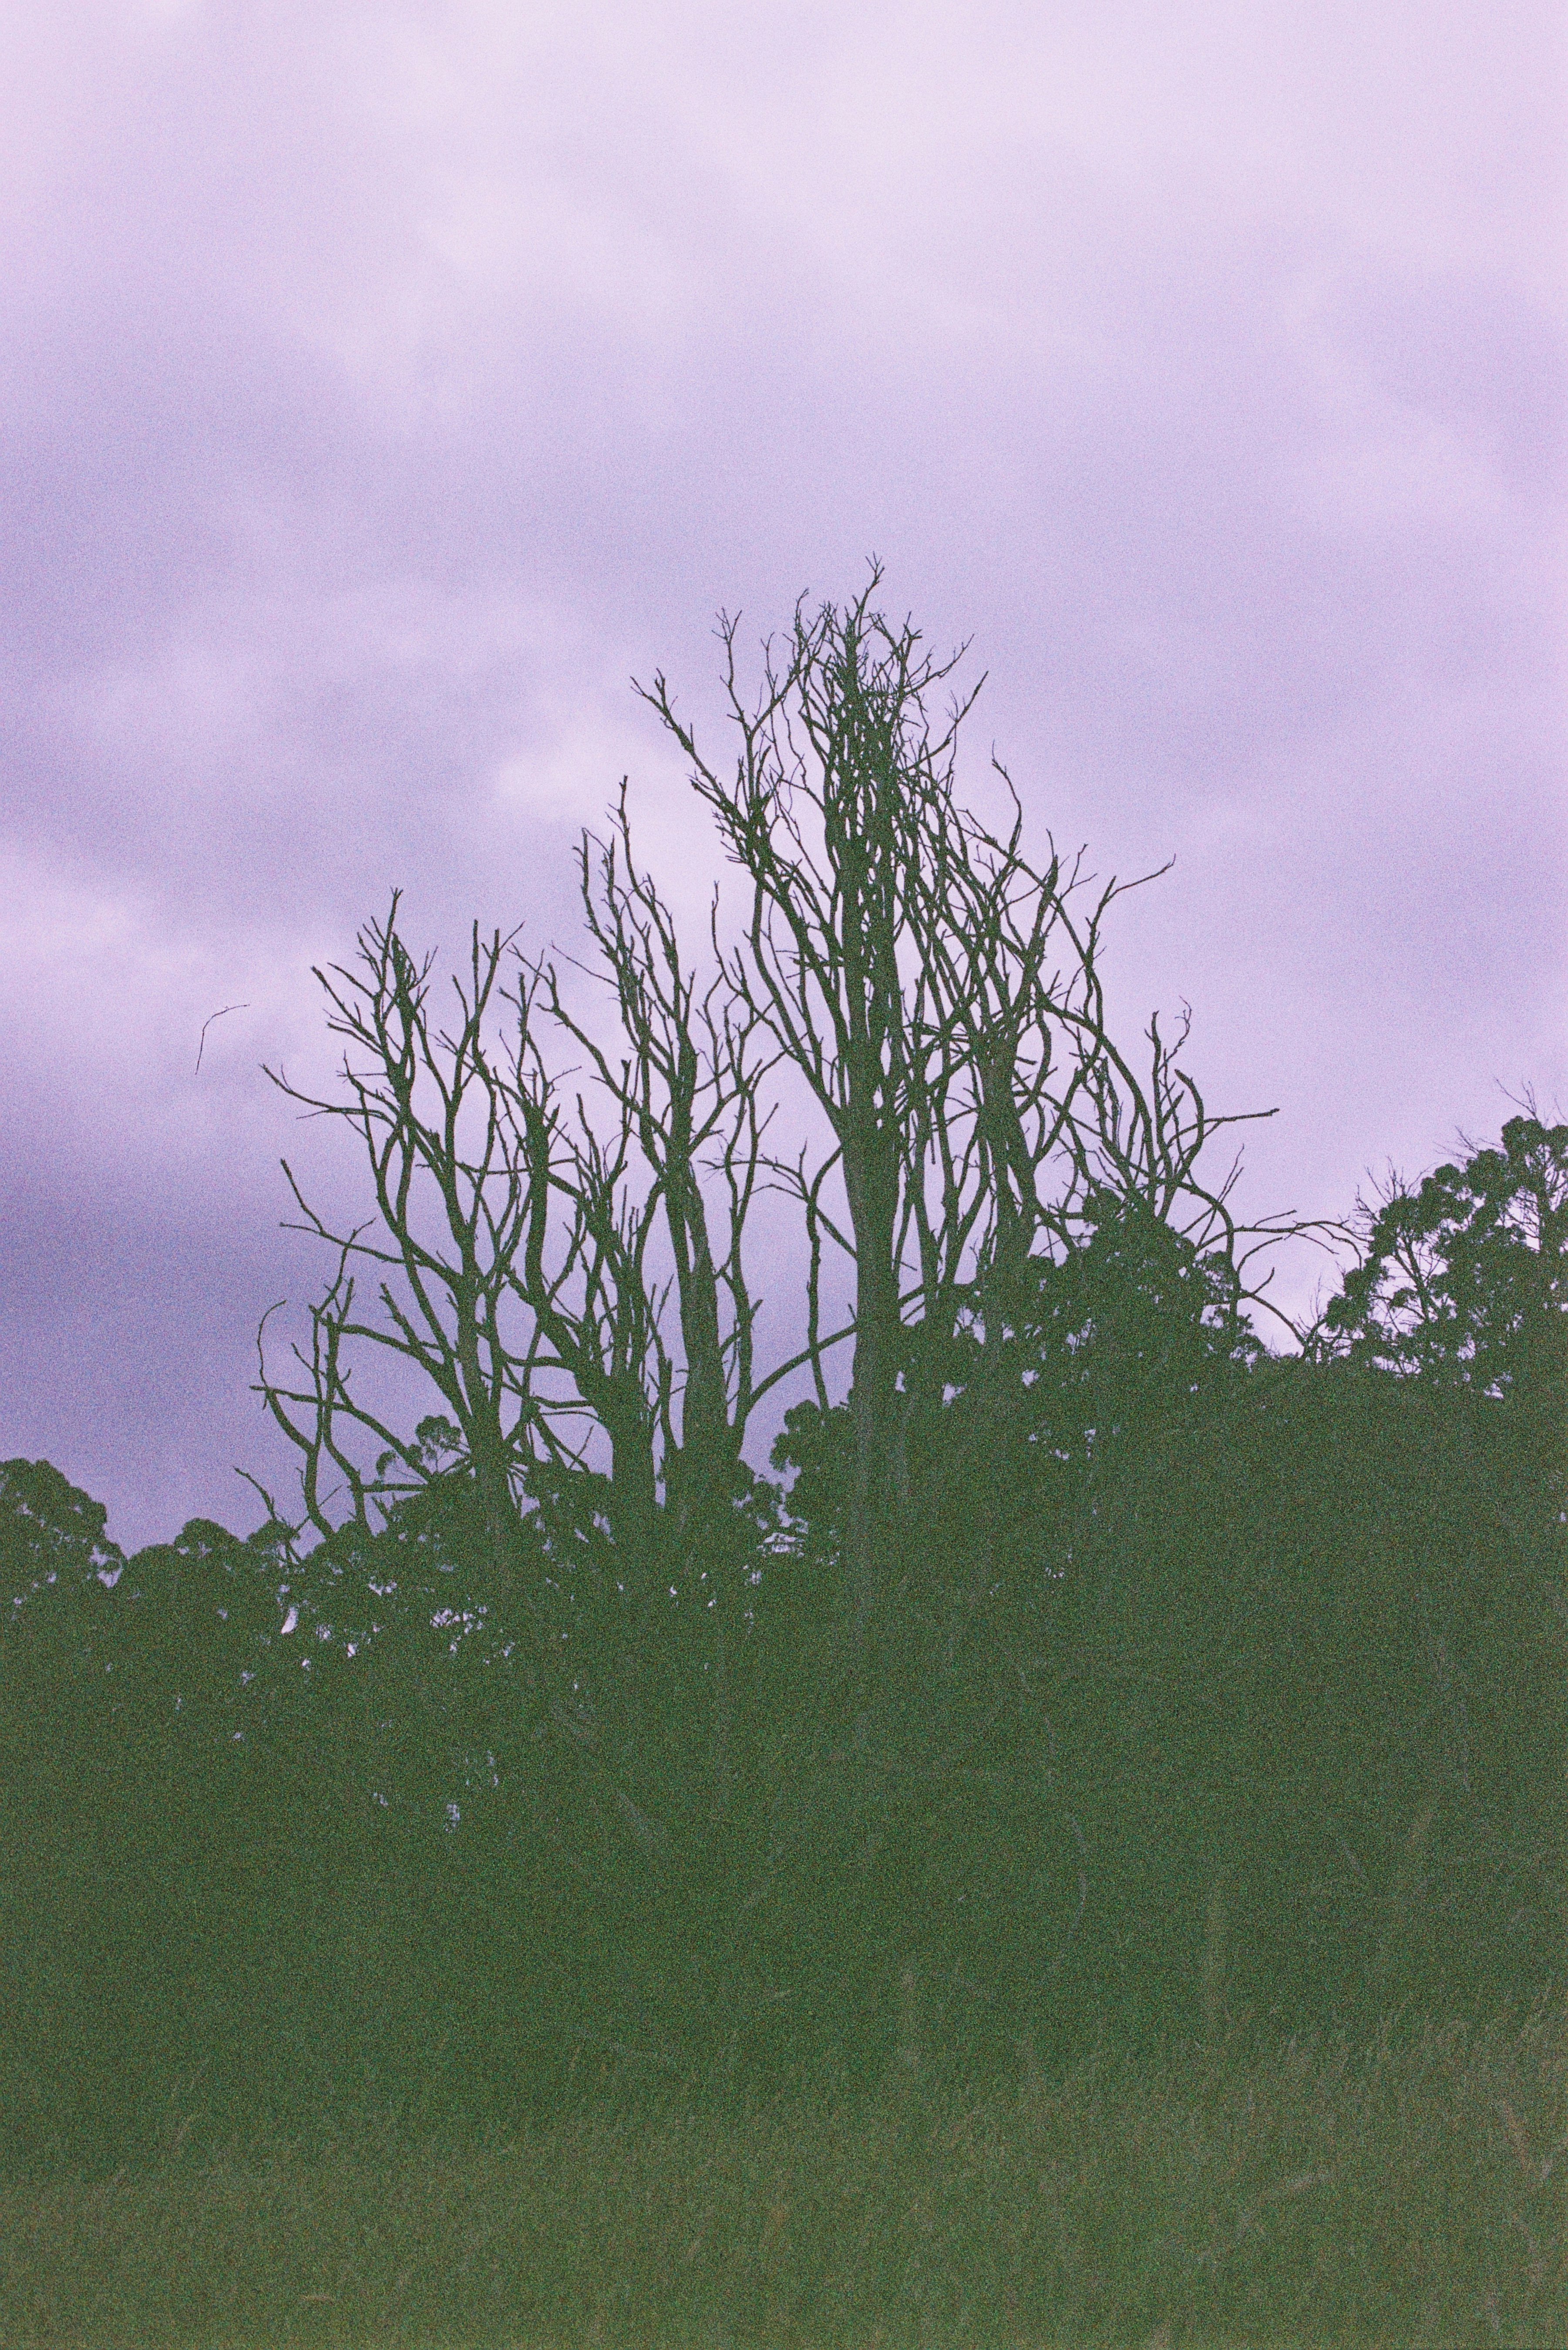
(1408, 2193)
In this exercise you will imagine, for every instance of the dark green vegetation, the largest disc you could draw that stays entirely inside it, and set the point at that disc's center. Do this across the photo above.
(294, 1882)
(1316, 2197)
(1091, 1677)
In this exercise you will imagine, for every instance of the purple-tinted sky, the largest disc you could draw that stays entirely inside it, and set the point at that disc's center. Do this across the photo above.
(384, 387)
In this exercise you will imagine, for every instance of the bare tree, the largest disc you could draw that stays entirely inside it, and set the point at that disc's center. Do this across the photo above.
(532, 1303)
(452, 1329)
(690, 1083)
(944, 1007)
(941, 999)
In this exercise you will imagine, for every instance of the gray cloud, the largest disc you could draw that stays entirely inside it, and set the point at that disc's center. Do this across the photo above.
(383, 389)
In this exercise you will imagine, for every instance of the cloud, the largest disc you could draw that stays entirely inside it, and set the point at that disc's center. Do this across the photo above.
(384, 388)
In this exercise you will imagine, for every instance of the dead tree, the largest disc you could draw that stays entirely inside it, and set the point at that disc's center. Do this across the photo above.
(944, 1006)
(940, 998)
(452, 1329)
(691, 1084)
(532, 1300)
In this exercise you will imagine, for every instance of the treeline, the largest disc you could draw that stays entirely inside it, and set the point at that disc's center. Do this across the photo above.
(1089, 1668)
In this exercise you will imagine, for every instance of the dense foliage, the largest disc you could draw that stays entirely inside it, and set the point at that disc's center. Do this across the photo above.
(1194, 1626)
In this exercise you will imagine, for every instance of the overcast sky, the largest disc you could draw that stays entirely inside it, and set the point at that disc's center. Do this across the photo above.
(384, 387)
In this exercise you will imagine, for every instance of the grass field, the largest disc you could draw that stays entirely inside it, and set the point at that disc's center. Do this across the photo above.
(1408, 2192)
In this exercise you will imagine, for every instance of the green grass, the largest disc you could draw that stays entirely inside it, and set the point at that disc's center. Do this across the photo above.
(1408, 2192)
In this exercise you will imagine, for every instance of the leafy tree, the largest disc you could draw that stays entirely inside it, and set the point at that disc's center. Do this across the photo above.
(1463, 1279)
(49, 1527)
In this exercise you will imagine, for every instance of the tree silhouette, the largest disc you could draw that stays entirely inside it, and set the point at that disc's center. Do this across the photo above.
(1083, 1626)
(941, 1001)
(712, 1699)
(1464, 1278)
